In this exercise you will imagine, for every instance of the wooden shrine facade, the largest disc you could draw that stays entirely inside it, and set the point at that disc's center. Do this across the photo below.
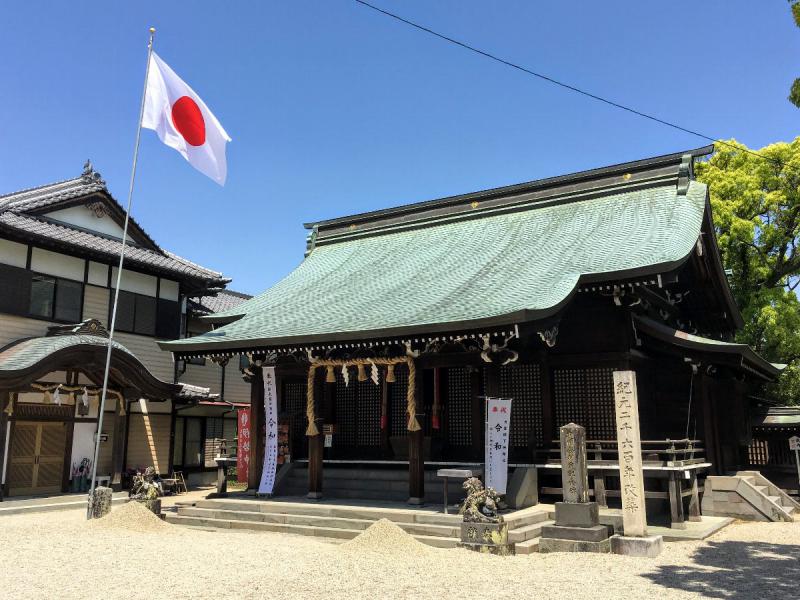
(398, 323)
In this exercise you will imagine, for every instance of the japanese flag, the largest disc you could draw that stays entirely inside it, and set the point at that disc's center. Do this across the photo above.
(182, 121)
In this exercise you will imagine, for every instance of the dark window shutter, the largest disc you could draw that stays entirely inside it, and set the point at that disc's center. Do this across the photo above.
(168, 320)
(145, 322)
(69, 295)
(15, 290)
(125, 310)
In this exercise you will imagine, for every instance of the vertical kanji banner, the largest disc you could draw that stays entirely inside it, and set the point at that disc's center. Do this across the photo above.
(243, 445)
(271, 422)
(498, 417)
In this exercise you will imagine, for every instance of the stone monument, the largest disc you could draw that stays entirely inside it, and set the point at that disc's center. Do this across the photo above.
(635, 541)
(577, 527)
(100, 503)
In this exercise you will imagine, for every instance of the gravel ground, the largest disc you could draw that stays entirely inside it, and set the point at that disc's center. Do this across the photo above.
(58, 555)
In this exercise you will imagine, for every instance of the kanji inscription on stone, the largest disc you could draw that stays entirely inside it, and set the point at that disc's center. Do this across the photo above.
(574, 476)
(629, 444)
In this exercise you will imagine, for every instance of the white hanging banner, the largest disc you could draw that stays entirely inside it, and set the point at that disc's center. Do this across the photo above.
(498, 417)
(271, 421)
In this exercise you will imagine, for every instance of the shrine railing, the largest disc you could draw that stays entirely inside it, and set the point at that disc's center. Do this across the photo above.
(655, 453)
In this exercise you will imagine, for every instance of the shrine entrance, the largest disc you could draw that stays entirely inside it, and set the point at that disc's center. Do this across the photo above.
(36, 459)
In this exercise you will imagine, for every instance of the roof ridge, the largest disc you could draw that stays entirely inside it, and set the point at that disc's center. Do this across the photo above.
(504, 190)
(39, 187)
(189, 262)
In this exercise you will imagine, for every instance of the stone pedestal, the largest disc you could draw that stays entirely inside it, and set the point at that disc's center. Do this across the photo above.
(577, 529)
(647, 546)
(101, 502)
(491, 538)
(523, 489)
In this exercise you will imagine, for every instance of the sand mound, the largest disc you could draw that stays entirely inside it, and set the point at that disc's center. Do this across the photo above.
(385, 537)
(131, 516)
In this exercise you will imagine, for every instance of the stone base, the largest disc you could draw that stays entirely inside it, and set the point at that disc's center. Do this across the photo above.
(649, 546)
(414, 501)
(523, 488)
(598, 533)
(314, 495)
(558, 545)
(572, 514)
(499, 550)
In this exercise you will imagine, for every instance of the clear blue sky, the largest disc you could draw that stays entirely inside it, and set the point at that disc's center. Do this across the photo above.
(335, 109)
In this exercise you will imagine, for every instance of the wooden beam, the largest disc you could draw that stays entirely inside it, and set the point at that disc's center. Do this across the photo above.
(316, 443)
(256, 426)
(416, 458)
(118, 435)
(315, 449)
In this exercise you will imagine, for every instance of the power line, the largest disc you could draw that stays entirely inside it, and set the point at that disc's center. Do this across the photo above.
(567, 86)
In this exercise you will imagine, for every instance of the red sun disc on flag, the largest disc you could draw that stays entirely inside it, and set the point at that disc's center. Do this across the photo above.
(188, 120)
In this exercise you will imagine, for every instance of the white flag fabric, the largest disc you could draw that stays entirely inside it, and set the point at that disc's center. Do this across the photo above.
(182, 121)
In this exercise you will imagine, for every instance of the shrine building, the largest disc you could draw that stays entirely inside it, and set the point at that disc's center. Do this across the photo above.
(397, 324)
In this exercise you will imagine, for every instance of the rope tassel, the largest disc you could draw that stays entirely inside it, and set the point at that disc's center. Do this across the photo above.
(330, 376)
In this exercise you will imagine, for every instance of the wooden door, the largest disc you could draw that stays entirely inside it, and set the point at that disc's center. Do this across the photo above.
(37, 457)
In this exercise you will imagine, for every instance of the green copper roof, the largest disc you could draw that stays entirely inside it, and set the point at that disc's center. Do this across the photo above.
(501, 266)
(26, 353)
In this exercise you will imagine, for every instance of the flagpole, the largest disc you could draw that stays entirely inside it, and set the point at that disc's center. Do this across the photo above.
(101, 409)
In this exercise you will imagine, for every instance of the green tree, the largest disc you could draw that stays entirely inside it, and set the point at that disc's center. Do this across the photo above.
(794, 91)
(756, 206)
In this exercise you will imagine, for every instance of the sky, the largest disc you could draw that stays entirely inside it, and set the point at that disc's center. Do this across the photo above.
(335, 109)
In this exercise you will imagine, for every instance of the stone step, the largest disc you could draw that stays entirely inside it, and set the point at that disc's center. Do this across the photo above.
(317, 531)
(429, 529)
(528, 532)
(530, 546)
(526, 517)
(21, 507)
(370, 513)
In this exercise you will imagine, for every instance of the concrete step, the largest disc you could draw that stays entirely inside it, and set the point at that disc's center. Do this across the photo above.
(530, 546)
(20, 507)
(528, 532)
(372, 513)
(310, 530)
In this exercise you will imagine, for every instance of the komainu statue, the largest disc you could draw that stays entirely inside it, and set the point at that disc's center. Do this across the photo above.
(480, 505)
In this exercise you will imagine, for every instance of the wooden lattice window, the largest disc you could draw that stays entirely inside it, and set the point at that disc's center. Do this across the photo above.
(522, 384)
(346, 411)
(368, 409)
(294, 404)
(586, 397)
(398, 402)
(459, 407)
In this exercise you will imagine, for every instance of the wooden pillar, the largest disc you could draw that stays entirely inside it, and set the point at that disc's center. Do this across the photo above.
(676, 500)
(492, 380)
(478, 416)
(119, 434)
(5, 398)
(694, 501)
(548, 404)
(709, 428)
(256, 427)
(386, 448)
(316, 447)
(416, 458)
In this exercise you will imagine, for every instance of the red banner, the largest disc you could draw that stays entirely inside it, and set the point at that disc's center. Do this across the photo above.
(243, 450)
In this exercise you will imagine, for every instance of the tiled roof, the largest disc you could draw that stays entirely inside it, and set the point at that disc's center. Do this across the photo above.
(223, 301)
(26, 353)
(499, 266)
(20, 213)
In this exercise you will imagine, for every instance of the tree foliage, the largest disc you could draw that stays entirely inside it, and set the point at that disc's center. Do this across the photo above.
(794, 92)
(756, 207)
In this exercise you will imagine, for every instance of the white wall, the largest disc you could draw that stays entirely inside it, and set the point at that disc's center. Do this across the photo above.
(14, 254)
(60, 265)
(138, 283)
(87, 219)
